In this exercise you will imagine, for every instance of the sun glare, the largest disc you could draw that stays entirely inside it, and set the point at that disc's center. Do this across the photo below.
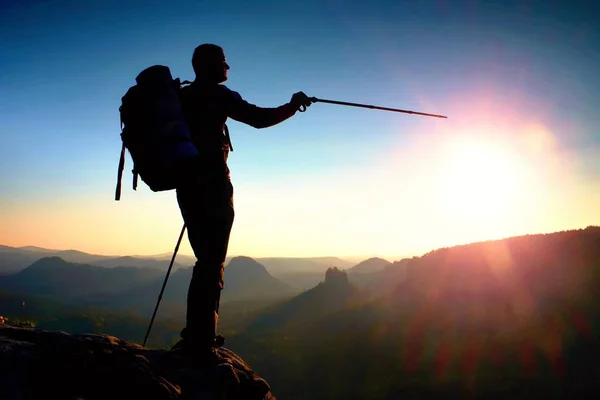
(479, 179)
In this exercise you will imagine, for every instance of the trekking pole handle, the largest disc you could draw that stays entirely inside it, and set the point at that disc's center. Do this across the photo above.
(302, 108)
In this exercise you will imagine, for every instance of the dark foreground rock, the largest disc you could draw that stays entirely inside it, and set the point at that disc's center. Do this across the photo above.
(38, 364)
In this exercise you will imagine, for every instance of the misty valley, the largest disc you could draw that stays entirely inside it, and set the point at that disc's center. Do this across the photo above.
(499, 319)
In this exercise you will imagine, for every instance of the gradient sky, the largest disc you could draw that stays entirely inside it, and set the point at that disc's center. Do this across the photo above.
(520, 82)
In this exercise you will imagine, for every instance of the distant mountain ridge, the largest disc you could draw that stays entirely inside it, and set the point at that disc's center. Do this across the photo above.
(286, 265)
(130, 261)
(136, 288)
(40, 249)
(332, 294)
(512, 315)
(373, 264)
(13, 259)
(246, 277)
(54, 276)
(517, 316)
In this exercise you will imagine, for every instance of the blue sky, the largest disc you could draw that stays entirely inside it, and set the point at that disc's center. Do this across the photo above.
(65, 65)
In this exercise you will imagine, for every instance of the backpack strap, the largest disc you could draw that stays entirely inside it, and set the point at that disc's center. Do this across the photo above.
(228, 138)
(121, 167)
(120, 174)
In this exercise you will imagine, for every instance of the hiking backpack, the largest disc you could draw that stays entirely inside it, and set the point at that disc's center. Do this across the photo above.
(154, 131)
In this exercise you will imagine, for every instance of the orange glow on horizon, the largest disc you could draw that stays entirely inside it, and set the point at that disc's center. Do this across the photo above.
(489, 171)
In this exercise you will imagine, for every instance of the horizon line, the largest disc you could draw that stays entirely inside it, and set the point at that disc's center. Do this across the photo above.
(164, 254)
(353, 257)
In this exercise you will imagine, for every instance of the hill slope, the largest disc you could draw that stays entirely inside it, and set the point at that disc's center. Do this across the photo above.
(374, 264)
(53, 276)
(331, 295)
(512, 318)
(246, 278)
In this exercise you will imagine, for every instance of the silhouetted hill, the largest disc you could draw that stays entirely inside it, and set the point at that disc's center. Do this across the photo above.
(382, 282)
(374, 264)
(246, 278)
(275, 265)
(37, 249)
(12, 260)
(512, 318)
(53, 276)
(511, 280)
(75, 256)
(329, 296)
(301, 273)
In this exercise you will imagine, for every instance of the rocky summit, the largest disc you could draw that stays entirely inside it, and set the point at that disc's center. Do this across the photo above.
(40, 364)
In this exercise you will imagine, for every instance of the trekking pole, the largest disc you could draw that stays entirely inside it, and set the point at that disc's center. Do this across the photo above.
(345, 103)
(164, 284)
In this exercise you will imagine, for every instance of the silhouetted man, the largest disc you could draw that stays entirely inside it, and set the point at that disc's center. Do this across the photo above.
(206, 203)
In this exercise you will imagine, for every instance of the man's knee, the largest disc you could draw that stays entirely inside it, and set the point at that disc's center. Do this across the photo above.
(209, 275)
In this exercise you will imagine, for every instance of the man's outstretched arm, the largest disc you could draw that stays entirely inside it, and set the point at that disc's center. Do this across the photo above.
(264, 117)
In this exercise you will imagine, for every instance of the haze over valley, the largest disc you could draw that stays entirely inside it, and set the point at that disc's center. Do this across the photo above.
(479, 314)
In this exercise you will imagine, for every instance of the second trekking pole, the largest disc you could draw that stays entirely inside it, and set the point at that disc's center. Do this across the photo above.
(164, 285)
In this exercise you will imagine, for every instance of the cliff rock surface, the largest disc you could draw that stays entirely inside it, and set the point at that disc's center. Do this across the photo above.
(39, 364)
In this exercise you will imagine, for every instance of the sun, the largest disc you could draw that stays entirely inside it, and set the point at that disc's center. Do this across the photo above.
(479, 179)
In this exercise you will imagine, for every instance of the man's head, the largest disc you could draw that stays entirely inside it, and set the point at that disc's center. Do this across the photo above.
(209, 63)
